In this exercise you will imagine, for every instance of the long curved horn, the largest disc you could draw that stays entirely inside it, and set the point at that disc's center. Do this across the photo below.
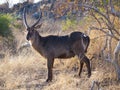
(24, 18)
(40, 16)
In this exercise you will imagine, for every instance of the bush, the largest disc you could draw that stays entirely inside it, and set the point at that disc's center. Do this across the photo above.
(8, 41)
(5, 22)
(69, 23)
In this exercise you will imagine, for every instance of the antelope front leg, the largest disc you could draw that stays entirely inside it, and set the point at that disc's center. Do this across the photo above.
(50, 66)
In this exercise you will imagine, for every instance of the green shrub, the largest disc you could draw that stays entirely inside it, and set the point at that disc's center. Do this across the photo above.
(69, 23)
(6, 25)
(5, 22)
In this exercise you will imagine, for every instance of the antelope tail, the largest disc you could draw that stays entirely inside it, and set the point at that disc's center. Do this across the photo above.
(86, 42)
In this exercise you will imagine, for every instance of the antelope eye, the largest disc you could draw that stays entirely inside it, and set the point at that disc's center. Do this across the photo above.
(28, 29)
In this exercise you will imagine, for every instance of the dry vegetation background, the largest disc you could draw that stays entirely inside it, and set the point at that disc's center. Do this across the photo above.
(22, 68)
(27, 70)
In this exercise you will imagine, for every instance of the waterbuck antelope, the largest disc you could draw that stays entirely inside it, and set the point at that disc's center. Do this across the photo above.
(52, 46)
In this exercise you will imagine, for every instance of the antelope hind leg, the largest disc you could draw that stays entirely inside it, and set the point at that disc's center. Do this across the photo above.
(87, 62)
(81, 67)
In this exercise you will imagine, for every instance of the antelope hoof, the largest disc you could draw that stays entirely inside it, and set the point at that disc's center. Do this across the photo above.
(77, 76)
(48, 80)
(89, 75)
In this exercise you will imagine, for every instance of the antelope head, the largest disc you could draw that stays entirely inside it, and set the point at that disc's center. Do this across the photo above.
(31, 29)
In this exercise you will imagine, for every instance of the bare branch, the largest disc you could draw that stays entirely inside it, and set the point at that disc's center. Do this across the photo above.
(111, 27)
(106, 20)
(96, 10)
(102, 29)
(116, 31)
(98, 37)
(96, 19)
(112, 10)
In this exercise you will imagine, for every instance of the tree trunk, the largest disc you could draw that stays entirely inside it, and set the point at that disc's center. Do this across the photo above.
(115, 60)
(103, 52)
(109, 47)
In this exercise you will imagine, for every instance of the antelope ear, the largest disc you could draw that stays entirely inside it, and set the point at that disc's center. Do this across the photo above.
(38, 26)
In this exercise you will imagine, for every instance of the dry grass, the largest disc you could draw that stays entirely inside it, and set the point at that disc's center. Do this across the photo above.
(30, 72)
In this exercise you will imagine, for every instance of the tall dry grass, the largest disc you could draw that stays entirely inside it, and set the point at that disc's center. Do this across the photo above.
(30, 72)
